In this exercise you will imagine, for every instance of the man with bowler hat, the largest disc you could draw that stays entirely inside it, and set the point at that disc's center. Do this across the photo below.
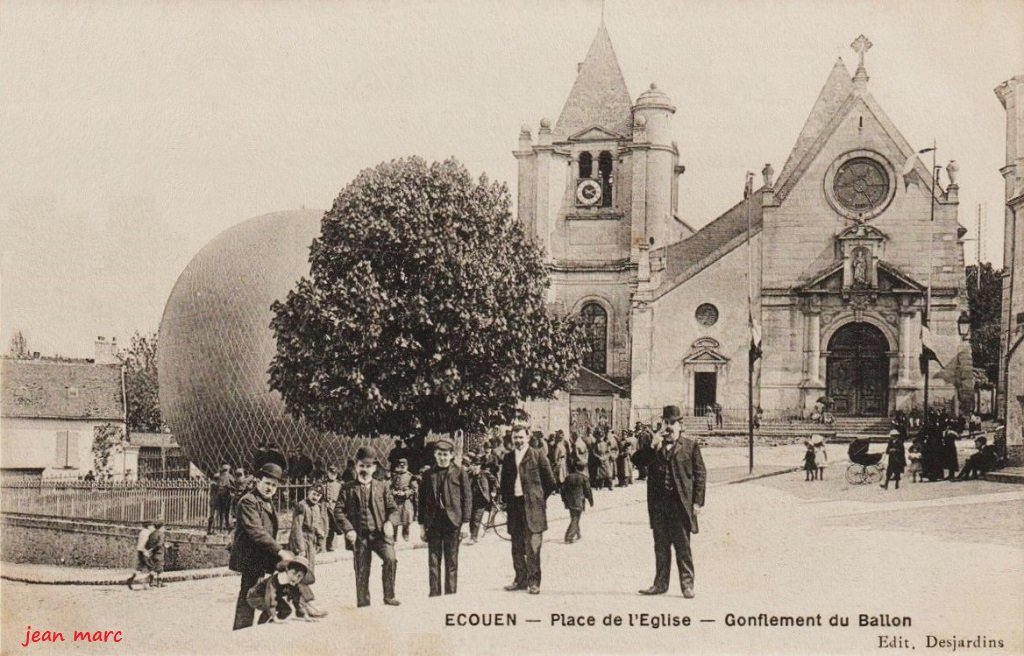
(254, 549)
(526, 483)
(446, 503)
(366, 514)
(675, 494)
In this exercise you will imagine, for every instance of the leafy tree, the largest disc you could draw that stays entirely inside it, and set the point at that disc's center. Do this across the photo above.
(18, 347)
(985, 302)
(424, 310)
(106, 439)
(142, 388)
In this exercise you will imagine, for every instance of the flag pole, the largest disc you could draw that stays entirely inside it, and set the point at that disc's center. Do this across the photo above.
(928, 293)
(747, 194)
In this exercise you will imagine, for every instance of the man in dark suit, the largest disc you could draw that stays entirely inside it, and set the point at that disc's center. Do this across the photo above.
(365, 513)
(255, 550)
(445, 505)
(675, 495)
(526, 483)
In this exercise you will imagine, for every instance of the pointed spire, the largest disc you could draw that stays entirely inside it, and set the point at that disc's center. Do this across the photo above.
(599, 96)
(836, 89)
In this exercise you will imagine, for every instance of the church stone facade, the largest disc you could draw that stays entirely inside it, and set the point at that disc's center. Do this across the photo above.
(837, 253)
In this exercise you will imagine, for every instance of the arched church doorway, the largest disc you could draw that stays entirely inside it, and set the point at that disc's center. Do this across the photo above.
(857, 375)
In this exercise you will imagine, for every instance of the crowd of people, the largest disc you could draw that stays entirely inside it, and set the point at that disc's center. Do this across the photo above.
(376, 499)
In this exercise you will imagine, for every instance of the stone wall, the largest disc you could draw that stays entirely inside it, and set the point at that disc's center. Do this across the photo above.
(79, 543)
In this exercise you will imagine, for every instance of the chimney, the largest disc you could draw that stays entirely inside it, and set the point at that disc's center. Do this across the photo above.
(106, 352)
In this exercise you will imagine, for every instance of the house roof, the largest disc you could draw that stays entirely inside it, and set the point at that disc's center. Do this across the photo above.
(60, 389)
(599, 97)
(684, 259)
(588, 382)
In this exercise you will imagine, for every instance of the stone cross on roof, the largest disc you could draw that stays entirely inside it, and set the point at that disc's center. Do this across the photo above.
(860, 46)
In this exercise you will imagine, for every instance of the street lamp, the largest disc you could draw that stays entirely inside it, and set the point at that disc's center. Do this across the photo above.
(963, 325)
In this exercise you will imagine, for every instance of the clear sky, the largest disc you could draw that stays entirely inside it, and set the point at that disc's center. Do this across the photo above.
(134, 132)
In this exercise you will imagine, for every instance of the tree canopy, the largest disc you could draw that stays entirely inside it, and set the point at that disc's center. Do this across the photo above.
(985, 302)
(18, 347)
(424, 309)
(141, 383)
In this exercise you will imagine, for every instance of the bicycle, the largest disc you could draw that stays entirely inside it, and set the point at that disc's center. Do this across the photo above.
(497, 521)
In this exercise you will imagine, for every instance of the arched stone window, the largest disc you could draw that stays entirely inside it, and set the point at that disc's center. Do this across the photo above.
(595, 322)
(586, 165)
(604, 167)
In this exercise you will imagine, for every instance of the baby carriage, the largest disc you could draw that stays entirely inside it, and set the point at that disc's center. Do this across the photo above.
(864, 467)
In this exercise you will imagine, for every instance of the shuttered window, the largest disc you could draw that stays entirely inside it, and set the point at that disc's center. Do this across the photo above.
(67, 449)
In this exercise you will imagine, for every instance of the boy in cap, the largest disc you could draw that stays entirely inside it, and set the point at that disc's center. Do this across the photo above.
(142, 555)
(155, 546)
(366, 513)
(403, 487)
(446, 503)
(575, 493)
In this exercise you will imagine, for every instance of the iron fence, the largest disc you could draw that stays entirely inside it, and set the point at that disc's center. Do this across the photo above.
(182, 503)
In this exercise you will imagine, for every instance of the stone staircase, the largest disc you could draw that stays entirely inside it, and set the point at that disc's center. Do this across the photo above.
(844, 429)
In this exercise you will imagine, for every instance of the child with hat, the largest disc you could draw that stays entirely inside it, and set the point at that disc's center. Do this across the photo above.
(403, 487)
(278, 597)
(366, 512)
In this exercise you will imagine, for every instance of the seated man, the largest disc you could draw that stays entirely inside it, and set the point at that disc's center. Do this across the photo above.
(979, 462)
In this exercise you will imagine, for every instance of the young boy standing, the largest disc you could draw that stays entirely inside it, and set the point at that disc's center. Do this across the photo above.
(366, 513)
(575, 492)
(142, 555)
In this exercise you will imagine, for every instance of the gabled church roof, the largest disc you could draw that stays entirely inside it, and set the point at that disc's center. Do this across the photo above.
(837, 88)
(599, 97)
(837, 98)
(684, 259)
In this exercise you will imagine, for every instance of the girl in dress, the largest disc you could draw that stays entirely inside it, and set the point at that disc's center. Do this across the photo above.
(914, 454)
(810, 468)
(820, 455)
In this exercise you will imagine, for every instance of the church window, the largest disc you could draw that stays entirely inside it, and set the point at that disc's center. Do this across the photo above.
(604, 166)
(586, 165)
(706, 314)
(861, 184)
(595, 325)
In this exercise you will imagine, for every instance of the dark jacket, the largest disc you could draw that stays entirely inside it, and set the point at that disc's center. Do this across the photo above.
(538, 482)
(446, 497)
(255, 546)
(689, 476)
(483, 485)
(576, 491)
(348, 509)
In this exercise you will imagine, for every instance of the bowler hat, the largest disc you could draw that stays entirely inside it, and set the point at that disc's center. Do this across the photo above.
(365, 453)
(271, 470)
(444, 445)
(671, 413)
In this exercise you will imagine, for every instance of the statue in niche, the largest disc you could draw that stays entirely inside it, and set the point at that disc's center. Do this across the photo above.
(860, 268)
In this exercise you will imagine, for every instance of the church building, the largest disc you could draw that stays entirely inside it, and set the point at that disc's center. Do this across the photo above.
(837, 254)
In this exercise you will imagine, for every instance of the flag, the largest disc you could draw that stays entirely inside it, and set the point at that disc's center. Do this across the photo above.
(748, 188)
(755, 340)
(927, 352)
(909, 174)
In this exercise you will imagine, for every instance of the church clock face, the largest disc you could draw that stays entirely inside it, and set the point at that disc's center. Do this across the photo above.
(859, 185)
(588, 193)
